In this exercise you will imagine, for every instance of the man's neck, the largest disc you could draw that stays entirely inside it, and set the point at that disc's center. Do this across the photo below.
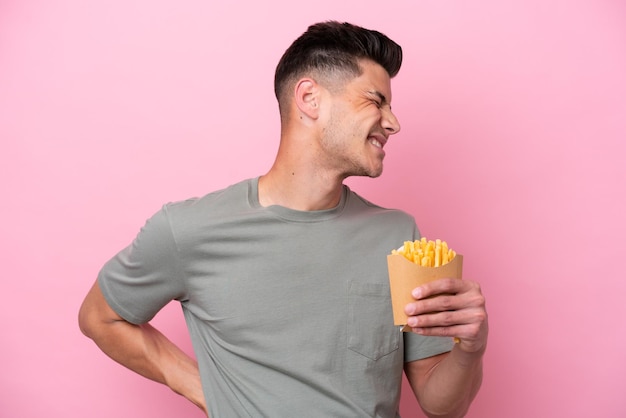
(299, 189)
(301, 178)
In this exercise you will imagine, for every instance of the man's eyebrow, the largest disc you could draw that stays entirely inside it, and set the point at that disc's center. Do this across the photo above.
(378, 94)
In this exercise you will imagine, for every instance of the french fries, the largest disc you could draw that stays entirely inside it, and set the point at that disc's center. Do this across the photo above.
(426, 253)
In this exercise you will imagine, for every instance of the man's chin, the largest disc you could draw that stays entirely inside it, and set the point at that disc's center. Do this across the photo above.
(376, 172)
(367, 173)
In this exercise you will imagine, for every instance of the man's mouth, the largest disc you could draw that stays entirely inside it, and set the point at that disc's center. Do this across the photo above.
(377, 141)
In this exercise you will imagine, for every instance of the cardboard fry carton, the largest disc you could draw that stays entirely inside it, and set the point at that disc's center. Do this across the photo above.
(404, 276)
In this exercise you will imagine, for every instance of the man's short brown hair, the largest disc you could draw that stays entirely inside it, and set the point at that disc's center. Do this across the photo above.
(334, 47)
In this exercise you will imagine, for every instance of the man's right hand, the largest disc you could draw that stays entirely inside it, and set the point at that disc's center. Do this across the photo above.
(141, 348)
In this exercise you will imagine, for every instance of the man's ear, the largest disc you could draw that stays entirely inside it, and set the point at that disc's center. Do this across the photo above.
(307, 97)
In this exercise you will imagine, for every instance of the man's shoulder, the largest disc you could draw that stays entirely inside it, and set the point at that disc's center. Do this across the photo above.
(360, 203)
(380, 220)
(234, 194)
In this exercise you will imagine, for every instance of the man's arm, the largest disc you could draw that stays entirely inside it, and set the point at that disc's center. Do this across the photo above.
(442, 388)
(445, 385)
(141, 348)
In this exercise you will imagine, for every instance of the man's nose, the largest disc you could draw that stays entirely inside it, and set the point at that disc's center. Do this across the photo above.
(390, 123)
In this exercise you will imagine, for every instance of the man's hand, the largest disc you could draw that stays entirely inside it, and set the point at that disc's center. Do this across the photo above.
(141, 348)
(445, 385)
(453, 308)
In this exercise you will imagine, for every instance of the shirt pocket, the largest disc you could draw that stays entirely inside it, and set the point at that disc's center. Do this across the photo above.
(371, 331)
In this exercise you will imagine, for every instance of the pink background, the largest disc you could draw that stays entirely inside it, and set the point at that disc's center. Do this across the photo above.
(512, 149)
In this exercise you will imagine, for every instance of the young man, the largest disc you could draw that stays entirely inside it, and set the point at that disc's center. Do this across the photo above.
(283, 278)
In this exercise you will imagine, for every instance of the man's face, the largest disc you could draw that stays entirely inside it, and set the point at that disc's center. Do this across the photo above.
(358, 123)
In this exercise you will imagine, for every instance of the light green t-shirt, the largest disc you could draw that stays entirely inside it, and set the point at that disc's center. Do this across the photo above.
(289, 312)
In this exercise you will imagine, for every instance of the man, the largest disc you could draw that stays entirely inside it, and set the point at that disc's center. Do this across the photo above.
(283, 278)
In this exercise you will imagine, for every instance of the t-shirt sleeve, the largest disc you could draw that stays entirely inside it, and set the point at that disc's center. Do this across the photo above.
(417, 347)
(145, 276)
